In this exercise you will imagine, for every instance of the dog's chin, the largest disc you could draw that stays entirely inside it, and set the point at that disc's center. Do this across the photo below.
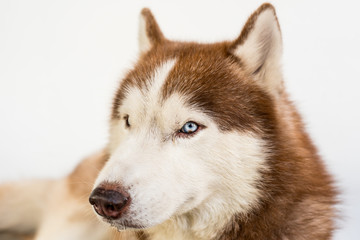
(122, 225)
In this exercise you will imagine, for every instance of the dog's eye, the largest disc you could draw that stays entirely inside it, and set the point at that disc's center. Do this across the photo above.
(127, 123)
(189, 128)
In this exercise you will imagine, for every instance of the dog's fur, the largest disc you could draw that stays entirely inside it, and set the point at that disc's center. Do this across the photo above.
(249, 172)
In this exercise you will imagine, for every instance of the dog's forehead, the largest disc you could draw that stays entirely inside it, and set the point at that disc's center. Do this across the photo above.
(203, 74)
(153, 74)
(144, 101)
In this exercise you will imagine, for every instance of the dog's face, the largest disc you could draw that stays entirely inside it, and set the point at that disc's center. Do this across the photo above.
(189, 126)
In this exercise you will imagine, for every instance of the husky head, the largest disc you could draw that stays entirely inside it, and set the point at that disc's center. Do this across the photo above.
(190, 127)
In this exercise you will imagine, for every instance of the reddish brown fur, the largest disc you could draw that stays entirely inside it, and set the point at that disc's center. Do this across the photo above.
(152, 29)
(300, 198)
(207, 70)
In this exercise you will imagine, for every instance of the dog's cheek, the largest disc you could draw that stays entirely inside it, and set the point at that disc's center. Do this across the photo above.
(238, 161)
(192, 178)
(179, 183)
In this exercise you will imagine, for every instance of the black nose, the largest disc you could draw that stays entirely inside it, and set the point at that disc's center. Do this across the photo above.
(109, 203)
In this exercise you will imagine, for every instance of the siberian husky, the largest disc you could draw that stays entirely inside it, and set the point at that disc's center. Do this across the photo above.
(204, 144)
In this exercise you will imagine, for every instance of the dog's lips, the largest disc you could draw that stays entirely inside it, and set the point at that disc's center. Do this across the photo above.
(124, 224)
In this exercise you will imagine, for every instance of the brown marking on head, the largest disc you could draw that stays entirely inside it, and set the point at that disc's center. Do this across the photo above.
(212, 81)
(204, 74)
(140, 75)
(207, 74)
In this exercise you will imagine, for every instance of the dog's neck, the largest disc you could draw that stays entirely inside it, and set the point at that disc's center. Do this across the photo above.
(192, 226)
(211, 221)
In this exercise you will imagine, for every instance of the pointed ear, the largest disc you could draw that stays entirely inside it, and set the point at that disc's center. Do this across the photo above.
(259, 47)
(149, 31)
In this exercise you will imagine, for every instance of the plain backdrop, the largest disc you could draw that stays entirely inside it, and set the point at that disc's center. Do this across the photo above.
(61, 62)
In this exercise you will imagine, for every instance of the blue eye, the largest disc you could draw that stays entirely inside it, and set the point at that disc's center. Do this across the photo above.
(189, 127)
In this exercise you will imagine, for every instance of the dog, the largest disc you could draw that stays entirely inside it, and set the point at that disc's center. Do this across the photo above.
(204, 144)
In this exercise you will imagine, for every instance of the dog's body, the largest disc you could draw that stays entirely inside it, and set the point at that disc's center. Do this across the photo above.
(204, 144)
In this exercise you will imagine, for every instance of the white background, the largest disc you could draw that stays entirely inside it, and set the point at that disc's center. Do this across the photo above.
(61, 61)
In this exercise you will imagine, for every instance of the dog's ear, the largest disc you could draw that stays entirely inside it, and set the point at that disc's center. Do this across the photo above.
(259, 47)
(150, 34)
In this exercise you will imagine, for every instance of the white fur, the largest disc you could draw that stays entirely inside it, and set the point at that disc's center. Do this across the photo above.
(197, 182)
(233, 172)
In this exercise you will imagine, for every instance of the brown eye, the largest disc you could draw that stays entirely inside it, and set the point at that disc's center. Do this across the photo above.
(127, 123)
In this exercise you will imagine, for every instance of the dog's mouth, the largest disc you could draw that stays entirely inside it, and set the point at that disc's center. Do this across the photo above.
(124, 224)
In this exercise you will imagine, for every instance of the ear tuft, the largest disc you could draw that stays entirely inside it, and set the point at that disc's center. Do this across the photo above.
(149, 31)
(259, 46)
